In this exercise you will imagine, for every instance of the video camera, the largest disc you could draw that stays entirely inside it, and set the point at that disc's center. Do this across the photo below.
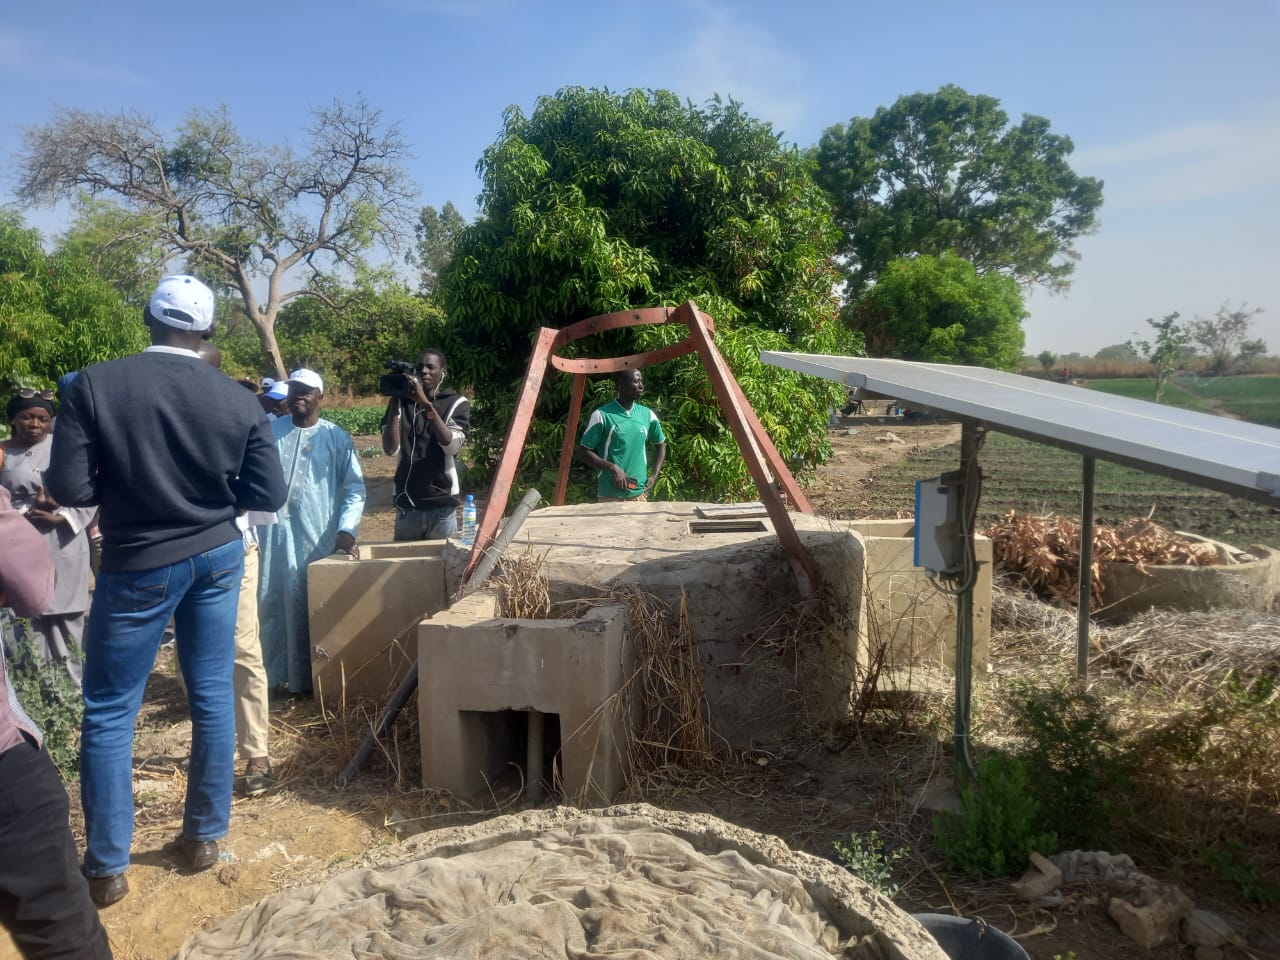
(399, 382)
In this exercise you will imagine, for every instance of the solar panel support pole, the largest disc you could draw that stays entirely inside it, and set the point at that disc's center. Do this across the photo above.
(964, 602)
(1085, 571)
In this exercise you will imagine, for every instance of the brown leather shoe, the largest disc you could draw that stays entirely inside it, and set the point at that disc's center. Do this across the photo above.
(104, 891)
(198, 854)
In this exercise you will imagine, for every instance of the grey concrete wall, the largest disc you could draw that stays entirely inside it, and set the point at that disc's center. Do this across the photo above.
(363, 616)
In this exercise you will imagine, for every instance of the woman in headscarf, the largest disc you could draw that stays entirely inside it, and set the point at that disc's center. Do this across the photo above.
(57, 633)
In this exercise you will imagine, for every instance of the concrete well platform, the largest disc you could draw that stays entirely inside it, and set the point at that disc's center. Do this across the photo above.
(734, 585)
(363, 616)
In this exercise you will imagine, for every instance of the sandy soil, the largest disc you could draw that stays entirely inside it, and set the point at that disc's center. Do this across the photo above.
(808, 794)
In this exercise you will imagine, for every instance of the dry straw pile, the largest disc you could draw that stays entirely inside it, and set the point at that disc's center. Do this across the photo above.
(1046, 551)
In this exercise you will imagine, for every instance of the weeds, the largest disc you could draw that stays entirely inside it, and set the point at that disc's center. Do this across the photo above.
(1077, 763)
(1228, 861)
(50, 698)
(999, 824)
(866, 857)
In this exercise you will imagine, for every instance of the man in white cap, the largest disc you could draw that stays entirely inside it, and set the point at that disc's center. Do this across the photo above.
(321, 516)
(170, 450)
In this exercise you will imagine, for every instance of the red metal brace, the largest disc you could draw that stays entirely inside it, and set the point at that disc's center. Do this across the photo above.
(757, 449)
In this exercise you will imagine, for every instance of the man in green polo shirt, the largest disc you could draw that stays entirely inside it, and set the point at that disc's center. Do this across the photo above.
(616, 438)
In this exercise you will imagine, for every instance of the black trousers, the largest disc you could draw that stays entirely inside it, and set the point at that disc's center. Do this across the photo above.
(44, 900)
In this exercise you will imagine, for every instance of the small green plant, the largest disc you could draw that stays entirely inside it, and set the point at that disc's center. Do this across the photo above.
(867, 858)
(998, 825)
(368, 453)
(1228, 861)
(1077, 762)
(49, 696)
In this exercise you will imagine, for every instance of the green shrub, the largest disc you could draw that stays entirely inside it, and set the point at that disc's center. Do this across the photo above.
(357, 421)
(866, 858)
(49, 696)
(999, 821)
(1078, 763)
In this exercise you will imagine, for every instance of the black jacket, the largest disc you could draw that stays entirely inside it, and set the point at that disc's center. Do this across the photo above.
(170, 450)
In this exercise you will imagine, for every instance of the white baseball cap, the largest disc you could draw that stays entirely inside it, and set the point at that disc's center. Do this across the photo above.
(308, 378)
(278, 390)
(182, 302)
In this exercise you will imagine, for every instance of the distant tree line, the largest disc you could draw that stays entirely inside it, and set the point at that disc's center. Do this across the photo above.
(913, 233)
(1209, 346)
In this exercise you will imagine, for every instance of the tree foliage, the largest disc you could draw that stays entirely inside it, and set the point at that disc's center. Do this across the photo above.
(600, 202)
(940, 310)
(1168, 352)
(350, 333)
(1224, 338)
(56, 313)
(1046, 359)
(1118, 353)
(434, 236)
(945, 171)
(210, 195)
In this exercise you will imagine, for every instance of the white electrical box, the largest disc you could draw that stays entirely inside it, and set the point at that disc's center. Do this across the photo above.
(939, 544)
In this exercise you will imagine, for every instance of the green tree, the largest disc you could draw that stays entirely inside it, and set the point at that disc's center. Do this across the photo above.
(600, 202)
(945, 171)
(350, 332)
(56, 313)
(119, 245)
(434, 236)
(249, 213)
(1046, 359)
(1224, 339)
(1168, 352)
(1118, 353)
(940, 310)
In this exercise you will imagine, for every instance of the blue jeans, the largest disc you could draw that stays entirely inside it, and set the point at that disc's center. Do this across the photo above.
(126, 624)
(432, 523)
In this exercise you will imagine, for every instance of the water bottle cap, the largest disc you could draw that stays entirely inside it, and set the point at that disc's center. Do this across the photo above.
(470, 498)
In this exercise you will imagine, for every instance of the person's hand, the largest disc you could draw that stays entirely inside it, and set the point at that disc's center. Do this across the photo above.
(45, 519)
(648, 484)
(347, 544)
(619, 476)
(420, 395)
(45, 502)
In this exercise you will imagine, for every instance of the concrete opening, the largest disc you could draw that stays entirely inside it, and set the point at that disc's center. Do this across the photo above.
(503, 745)
(727, 526)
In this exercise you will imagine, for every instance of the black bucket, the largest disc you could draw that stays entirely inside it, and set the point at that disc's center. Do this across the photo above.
(962, 938)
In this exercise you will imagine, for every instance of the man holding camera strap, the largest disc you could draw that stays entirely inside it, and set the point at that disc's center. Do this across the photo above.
(426, 429)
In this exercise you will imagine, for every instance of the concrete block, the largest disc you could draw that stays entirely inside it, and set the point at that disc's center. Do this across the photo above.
(905, 611)
(472, 665)
(363, 616)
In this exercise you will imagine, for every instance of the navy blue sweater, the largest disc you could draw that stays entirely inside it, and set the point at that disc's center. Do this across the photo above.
(170, 450)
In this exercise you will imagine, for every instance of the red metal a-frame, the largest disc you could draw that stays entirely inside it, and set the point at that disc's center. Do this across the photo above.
(757, 449)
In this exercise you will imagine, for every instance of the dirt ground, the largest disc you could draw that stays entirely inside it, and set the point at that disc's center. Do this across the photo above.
(807, 793)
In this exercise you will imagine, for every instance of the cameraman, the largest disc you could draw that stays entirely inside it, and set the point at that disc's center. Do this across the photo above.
(427, 428)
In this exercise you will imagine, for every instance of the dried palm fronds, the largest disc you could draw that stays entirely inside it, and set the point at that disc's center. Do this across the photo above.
(1046, 551)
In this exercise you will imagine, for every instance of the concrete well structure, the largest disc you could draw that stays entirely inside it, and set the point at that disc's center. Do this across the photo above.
(734, 587)
(474, 666)
(1244, 580)
(908, 613)
(363, 617)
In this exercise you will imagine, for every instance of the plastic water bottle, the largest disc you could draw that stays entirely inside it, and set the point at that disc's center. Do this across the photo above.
(468, 537)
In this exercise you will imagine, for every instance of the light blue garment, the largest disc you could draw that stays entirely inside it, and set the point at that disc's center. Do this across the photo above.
(326, 495)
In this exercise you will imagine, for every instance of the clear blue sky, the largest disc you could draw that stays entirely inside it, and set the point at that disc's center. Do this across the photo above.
(1175, 105)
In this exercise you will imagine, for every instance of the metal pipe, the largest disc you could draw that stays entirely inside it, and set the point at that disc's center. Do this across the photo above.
(1085, 570)
(480, 572)
(964, 601)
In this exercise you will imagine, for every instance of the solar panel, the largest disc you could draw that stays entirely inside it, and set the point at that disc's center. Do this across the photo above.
(1232, 456)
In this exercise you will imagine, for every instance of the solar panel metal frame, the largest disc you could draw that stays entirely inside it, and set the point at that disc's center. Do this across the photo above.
(1230, 456)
